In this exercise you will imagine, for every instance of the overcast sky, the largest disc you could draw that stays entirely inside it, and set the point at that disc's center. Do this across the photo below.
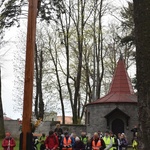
(6, 57)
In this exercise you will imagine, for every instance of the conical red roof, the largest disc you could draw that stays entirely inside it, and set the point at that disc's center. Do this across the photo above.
(121, 89)
(121, 82)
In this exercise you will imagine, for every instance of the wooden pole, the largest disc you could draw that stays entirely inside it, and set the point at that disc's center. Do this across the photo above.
(29, 72)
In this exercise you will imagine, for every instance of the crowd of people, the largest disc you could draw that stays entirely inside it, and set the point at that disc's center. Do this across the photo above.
(59, 140)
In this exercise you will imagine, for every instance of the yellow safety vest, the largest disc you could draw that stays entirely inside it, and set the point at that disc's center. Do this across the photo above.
(113, 142)
(134, 144)
(106, 140)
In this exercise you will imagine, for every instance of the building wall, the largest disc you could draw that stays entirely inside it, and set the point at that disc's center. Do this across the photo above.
(52, 116)
(13, 127)
(98, 122)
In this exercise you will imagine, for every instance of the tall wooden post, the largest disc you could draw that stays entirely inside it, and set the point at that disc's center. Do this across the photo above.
(29, 71)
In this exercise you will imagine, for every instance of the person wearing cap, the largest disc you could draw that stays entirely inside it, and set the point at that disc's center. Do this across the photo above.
(108, 141)
(97, 143)
(51, 141)
(8, 142)
(67, 142)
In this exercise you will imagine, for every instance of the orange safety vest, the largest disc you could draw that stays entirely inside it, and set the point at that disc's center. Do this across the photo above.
(97, 145)
(66, 142)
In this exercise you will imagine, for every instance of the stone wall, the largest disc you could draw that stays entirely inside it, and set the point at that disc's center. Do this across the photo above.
(13, 126)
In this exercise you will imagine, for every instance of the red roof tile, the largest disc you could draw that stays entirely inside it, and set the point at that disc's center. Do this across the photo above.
(117, 98)
(121, 82)
(121, 90)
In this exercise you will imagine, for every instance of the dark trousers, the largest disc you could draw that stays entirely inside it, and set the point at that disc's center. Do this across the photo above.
(42, 147)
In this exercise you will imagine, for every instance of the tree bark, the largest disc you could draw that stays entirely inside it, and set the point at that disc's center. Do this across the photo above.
(2, 129)
(55, 62)
(142, 34)
(37, 83)
(41, 103)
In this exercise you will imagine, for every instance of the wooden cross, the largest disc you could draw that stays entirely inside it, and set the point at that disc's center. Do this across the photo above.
(29, 72)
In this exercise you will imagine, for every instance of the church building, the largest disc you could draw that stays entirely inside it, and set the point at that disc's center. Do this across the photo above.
(117, 110)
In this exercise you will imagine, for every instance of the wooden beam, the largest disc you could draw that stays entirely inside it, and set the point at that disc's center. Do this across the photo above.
(29, 71)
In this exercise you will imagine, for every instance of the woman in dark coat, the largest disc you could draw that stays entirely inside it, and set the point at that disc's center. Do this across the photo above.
(123, 142)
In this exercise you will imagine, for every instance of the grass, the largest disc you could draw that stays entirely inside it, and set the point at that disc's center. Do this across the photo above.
(17, 145)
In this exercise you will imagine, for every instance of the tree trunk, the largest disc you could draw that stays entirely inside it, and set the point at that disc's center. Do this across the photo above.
(142, 30)
(2, 129)
(41, 103)
(99, 56)
(59, 83)
(36, 81)
(65, 30)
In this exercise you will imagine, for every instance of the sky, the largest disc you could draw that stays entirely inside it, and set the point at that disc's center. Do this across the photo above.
(7, 68)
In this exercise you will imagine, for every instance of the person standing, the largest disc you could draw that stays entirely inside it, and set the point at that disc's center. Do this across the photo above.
(51, 141)
(67, 142)
(108, 141)
(97, 143)
(135, 143)
(134, 130)
(114, 141)
(8, 142)
(123, 142)
(79, 145)
(88, 145)
(118, 140)
(42, 141)
(84, 138)
(58, 130)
